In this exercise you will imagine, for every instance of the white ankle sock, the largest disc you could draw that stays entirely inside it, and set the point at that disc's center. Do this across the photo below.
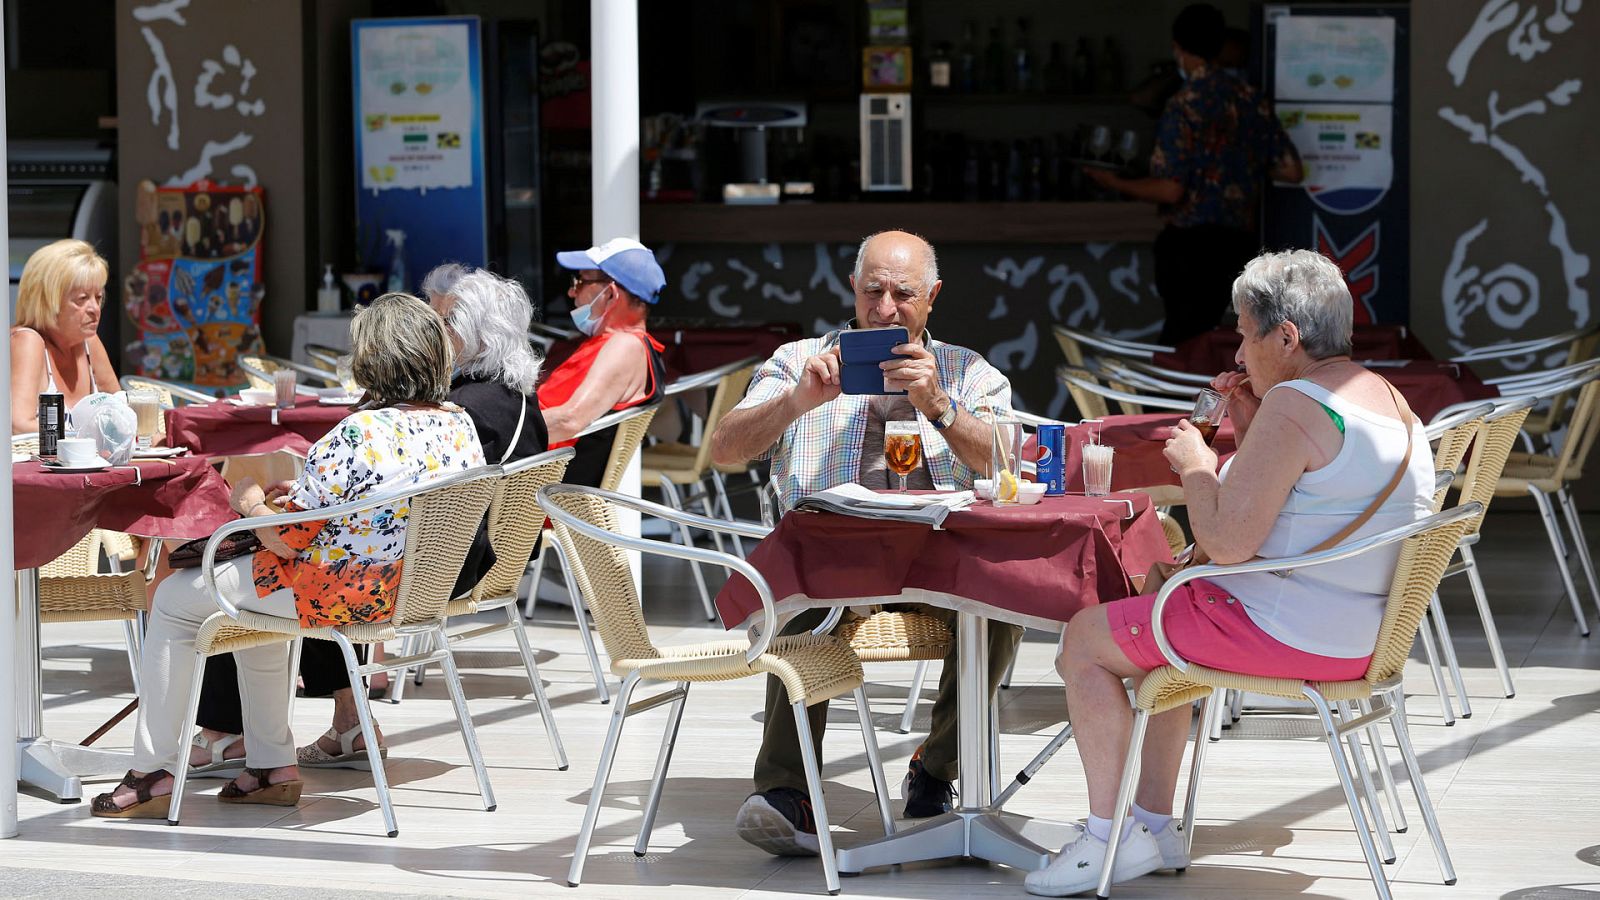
(1101, 828)
(1153, 821)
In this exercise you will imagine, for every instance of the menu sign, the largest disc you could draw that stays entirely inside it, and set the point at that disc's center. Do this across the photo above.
(417, 94)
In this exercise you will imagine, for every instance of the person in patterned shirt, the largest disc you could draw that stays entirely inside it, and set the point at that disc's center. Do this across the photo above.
(816, 438)
(325, 572)
(1215, 142)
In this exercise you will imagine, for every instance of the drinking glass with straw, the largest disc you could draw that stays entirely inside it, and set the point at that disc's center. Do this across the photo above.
(1097, 459)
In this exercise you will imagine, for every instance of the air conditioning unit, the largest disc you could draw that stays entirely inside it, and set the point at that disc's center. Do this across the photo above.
(886, 142)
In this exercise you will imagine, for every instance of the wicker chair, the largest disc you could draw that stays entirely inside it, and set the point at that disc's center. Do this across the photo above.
(258, 368)
(73, 589)
(515, 522)
(631, 425)
(1543, 474)
(324, 357)
(813, 668)
(444, 516)
(673, 465)
(171, 393)
(1428, 546)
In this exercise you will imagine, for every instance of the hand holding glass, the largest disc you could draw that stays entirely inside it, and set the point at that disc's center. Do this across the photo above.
(1209, 408)
(902, 448)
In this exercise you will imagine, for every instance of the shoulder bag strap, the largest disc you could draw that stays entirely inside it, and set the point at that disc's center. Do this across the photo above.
(1388, 489)
(522, 415)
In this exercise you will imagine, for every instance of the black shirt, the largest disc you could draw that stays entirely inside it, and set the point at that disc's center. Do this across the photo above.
(494, 409)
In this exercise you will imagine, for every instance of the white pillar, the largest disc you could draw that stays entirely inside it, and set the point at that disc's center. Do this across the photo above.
(614, 157)
(8, 568)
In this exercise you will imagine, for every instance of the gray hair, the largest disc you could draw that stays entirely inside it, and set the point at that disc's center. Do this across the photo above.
(930, 268)
(491, 316)
(1303, 287)
(441, 279)
(402, 354)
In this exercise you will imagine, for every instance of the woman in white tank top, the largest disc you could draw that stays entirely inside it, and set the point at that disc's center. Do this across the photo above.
(1320, 438)
(54, 346)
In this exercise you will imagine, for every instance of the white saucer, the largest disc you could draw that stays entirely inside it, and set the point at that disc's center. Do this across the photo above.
(63, 467)
(160, 452)
(343, 400)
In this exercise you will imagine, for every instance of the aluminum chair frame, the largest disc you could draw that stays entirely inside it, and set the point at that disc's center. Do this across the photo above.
(174, 391)
(1523, 347)
(760, 638)
(290, 631)
(1127, 399)
(1389, 691)
(260, 377)
(1073, 341)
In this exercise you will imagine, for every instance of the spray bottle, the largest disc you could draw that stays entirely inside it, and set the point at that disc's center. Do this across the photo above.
(328, 294)
(397, 280)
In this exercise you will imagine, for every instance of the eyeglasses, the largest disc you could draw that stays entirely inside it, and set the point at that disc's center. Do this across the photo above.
(579, 280)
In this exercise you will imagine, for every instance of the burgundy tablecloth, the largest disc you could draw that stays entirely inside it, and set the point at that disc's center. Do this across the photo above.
(1139, 442)
(184, 498)
(1213, 352)
(223, 428)
(1034, 565)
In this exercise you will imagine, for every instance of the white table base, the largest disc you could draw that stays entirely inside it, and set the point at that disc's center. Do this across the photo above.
(974, 829)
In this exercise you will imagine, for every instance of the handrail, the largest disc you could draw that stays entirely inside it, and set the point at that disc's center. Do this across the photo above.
(709, 378)
(338, 510)
(1342, 552)
(769, 612)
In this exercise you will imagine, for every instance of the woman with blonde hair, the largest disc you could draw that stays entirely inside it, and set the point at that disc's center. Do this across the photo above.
(54, 347)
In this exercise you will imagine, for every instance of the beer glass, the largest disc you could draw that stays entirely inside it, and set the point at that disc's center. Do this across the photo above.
(146, 406)
(1209, 408)
(284, 382)
(902, 448)
(345, 370)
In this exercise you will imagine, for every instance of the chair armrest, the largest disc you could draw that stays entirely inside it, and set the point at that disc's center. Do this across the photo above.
(1289, 563)
(617, 418)
(700, 381)
(764, 633)
(208, 560)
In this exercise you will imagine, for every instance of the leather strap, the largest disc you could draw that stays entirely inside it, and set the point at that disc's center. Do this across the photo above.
(1388, 489)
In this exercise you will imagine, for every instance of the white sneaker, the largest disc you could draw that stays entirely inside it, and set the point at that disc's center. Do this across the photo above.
(1170, 842)
(1077, 867)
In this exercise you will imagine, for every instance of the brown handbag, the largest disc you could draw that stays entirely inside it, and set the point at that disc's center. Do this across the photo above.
(1160, 572)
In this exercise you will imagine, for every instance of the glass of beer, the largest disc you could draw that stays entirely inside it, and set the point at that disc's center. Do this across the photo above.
(902, 448)
(146, 406)
(1209, 408)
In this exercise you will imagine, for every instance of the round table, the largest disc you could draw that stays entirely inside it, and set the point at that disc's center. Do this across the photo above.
(1028, 565)
(226, 428)
(182, 498)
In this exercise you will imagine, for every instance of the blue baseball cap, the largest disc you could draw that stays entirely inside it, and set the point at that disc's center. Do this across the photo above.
(627, 262)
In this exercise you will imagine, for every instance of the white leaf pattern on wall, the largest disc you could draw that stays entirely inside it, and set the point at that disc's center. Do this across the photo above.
(1508, 294)
(1004, 355)
(169, 10)
(162, 91)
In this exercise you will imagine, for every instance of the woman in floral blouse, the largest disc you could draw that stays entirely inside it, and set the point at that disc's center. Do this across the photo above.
(328, 572)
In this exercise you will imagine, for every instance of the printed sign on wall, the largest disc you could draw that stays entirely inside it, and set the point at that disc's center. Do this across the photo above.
(1335, 59)
(1348, 152)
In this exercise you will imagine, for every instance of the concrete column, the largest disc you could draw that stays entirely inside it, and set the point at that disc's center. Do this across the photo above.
(614, 153)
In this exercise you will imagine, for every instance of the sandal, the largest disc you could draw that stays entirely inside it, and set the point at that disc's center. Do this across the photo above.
(349, 757)
(219, 766)
(284, 793)
(144, 807)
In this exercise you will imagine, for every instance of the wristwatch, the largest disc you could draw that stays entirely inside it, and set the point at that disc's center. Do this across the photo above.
(947, 418)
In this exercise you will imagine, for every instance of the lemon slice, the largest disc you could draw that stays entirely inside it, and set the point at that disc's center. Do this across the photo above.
(1006, 489)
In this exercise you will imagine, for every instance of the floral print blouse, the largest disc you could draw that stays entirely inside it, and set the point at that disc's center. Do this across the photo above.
(347, 570)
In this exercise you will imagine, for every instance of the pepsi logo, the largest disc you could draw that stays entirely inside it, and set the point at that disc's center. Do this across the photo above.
(1044, 455)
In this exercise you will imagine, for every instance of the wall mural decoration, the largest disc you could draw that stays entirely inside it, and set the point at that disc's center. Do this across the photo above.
(1513, 266)
(999, 300)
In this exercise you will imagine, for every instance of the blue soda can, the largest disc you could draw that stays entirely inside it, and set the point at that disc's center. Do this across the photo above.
(1052, 459)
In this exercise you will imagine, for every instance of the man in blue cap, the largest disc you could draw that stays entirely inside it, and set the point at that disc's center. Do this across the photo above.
(619, 365)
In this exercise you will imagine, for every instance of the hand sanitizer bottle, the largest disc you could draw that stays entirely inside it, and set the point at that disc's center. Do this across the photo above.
(328, 295)
(397, 280)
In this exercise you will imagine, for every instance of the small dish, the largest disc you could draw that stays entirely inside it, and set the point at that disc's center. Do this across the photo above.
(258, 396)
(1030, 492)
(59, 466)
(983, 488)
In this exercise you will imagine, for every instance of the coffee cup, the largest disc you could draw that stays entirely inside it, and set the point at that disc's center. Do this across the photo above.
(77, 452)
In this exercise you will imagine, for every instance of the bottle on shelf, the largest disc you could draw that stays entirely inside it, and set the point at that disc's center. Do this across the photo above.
(967, 59)
(939, 68)
(1057, 73)
(1022, 70)
(1083, 67)
(994, 62)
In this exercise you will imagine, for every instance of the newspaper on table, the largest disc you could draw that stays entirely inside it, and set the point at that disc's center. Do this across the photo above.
(855, 500)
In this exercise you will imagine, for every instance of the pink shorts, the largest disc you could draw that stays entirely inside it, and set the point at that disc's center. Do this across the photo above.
(1208, 627)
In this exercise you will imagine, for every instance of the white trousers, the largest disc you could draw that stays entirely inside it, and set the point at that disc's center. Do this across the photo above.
(167, 670)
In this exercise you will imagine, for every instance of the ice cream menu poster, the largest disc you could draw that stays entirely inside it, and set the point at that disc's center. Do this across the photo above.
(416, 105)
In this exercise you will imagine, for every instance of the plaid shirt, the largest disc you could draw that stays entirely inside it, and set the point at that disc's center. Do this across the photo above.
(822, 449)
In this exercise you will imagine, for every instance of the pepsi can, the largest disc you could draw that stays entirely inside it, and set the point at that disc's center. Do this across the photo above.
(1052, 459)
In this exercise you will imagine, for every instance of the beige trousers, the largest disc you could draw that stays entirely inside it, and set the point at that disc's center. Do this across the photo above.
(167, 668)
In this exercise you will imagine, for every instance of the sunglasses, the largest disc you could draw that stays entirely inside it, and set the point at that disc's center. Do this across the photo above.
(579, 280)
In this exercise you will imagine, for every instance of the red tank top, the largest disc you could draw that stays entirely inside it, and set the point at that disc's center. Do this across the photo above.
(559, 387)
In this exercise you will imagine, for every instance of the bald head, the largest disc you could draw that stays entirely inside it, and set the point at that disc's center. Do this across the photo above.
(896, 279)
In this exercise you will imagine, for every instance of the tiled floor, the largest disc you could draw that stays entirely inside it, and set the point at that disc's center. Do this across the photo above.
(1516, 784)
